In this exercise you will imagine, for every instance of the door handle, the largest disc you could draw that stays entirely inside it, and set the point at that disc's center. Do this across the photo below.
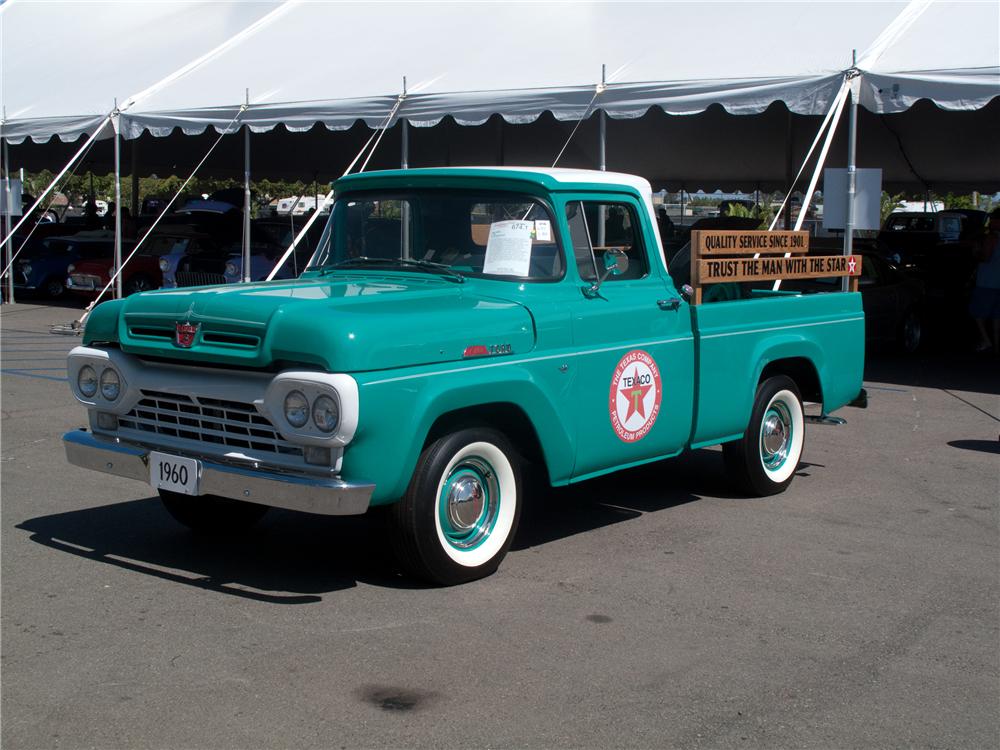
(668, 304)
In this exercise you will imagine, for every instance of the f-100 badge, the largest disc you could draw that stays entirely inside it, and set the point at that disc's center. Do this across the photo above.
(634, 401)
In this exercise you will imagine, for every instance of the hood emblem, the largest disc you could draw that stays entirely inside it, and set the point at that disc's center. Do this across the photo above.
(185, 334)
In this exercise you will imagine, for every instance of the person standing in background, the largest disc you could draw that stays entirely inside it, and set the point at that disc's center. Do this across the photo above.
(985, 303)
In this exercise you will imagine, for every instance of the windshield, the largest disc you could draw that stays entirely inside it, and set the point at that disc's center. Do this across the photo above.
(472, 233)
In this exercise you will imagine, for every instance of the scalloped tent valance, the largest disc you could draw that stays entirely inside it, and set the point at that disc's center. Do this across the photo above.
(168, 65)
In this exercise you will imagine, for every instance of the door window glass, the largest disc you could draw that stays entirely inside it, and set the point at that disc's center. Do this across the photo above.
(597, 228)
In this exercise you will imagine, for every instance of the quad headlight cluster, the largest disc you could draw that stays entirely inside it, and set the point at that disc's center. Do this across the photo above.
(313, 408)
(324, 410)
(109, 382)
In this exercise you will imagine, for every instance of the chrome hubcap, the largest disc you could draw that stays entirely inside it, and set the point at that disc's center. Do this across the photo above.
(469, 503)
(466, 499)
(775, 435)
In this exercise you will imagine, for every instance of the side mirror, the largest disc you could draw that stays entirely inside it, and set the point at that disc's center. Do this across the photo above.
(615, 264)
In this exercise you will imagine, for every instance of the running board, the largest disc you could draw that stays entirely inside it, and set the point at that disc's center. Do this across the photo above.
(825, 419)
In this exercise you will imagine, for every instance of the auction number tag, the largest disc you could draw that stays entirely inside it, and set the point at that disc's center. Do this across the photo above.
(174, 473)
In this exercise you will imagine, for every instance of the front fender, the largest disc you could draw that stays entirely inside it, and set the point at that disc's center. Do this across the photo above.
(397, 413)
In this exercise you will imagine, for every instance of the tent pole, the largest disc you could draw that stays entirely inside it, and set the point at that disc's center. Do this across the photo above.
(118, 208)
(852, 139)
(8, 223)
(602, 161)
(404, 163)
(246, 203)
(499, 141)
(136, 208)
(602, 145)
(789, 169)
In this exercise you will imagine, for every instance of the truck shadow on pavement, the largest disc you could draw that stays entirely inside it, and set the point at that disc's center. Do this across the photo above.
(294, 558)
(947, 370)
(556, 513)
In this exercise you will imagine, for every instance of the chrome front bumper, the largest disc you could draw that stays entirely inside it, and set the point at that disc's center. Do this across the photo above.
(83, 283)
(323, 495)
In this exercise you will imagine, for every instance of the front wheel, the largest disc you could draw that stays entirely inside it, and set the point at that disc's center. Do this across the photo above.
(54, 287)
(763, 462)
(458, 517)
(209, 514)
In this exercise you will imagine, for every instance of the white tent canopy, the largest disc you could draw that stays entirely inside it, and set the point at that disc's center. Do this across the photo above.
(189, 65)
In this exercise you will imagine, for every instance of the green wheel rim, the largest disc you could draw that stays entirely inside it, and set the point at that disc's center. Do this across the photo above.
(776, 432)
(469, 503)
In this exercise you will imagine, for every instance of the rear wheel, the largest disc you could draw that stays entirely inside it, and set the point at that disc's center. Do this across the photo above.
(210, 514)
(910, 332)
(458, 517)
(764, 461)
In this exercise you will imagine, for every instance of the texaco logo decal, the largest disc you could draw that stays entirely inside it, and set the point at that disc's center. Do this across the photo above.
(634, 401)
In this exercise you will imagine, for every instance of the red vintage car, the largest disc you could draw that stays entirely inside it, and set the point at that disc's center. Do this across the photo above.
(88, 277)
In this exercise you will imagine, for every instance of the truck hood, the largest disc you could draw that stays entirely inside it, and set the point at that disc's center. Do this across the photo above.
(341, 324)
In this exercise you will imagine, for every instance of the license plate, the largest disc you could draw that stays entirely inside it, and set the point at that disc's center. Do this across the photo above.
(174, 473)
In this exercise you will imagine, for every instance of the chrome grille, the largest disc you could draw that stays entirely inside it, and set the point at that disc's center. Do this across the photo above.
(216, 425)
(198, 278)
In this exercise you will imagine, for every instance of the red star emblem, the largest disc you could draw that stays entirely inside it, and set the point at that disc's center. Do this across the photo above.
(852, 265)
(635, 395)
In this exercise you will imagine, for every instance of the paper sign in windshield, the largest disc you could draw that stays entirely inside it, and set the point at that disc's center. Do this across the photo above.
(508, 250)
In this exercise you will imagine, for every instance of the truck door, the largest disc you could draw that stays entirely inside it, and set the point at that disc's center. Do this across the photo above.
(634, 384)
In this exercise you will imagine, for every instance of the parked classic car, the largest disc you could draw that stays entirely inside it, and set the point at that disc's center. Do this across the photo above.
(893, 302)
(270, 238)
(88, 277)
(41, 267)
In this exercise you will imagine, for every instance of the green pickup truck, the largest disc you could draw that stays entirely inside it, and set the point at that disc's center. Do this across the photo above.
(453, 325)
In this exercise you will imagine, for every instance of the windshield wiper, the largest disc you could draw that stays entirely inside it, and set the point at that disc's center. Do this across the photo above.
(364, 260)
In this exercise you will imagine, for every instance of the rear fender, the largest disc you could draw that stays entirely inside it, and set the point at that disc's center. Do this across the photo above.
(771, 351)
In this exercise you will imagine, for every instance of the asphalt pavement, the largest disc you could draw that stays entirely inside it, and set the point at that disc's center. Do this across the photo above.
(651, 608)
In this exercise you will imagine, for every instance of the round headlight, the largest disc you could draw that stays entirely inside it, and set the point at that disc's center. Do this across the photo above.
(164, 265)
(326, 413)
(111, 384)
(86, 381)
(296, 409)
(231, 269)
(70, 268)
(26, 269)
